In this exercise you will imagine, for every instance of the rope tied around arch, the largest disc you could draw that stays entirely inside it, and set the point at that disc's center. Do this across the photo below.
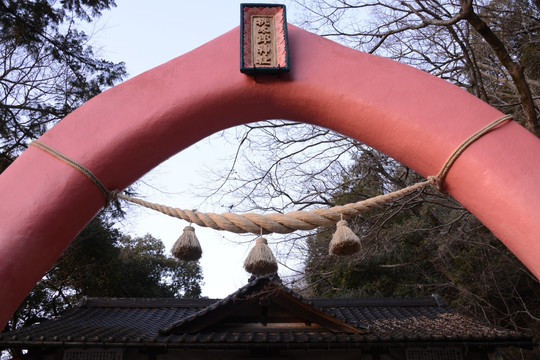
(277, 222)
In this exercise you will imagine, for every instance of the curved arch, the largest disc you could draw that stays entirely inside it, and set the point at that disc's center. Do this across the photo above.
(121, 134)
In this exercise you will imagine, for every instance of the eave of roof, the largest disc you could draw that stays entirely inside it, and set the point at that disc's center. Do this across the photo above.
(136, 323)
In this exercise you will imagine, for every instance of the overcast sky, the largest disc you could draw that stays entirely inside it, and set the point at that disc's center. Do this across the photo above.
(144, 35)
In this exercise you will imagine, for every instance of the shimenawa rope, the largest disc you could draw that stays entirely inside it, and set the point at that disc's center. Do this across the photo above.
(277, 223)
(439, 178)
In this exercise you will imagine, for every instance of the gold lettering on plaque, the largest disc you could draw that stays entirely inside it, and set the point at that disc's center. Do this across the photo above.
(263, 48)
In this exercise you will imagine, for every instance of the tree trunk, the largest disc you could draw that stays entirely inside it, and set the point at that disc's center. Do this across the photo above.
(514, 68)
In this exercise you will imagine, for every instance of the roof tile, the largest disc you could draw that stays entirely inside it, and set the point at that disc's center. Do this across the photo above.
(132, 321)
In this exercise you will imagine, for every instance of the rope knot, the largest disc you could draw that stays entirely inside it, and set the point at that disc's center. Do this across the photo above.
(112, 195)
(435, 181)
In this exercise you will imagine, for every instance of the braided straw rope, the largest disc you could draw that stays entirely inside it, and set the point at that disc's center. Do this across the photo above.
(277, 223)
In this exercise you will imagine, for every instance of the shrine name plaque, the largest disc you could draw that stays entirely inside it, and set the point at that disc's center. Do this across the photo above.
(264, 45)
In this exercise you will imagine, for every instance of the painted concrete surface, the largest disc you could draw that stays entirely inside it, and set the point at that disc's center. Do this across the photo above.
(121, 134)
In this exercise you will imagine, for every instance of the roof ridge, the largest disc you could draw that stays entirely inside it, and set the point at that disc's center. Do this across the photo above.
(258, 286)
(92, 326)
(111, 302)
(321, 303)
(380, 302)
(253, 281)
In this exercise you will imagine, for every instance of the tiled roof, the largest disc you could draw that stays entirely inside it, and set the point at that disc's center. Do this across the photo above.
(266, 289)
(135, 322)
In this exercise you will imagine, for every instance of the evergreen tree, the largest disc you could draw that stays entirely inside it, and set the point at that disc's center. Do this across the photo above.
(48, 70)
(422, 244)
(48, 67)
(102, 262)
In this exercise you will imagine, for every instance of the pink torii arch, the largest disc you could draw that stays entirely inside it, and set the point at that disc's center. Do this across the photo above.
(121, 134)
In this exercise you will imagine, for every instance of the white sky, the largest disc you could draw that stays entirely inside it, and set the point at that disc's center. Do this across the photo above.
(144, 35)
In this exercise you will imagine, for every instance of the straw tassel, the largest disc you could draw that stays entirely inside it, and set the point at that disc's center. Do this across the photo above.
(260, 260)
(344, 241)
(187, 247)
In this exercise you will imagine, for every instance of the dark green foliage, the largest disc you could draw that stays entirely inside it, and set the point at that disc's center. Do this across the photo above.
(101, 262)
(422, 244)
(515, 23)
(48, 68)
(152, 274)
(427, 243)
